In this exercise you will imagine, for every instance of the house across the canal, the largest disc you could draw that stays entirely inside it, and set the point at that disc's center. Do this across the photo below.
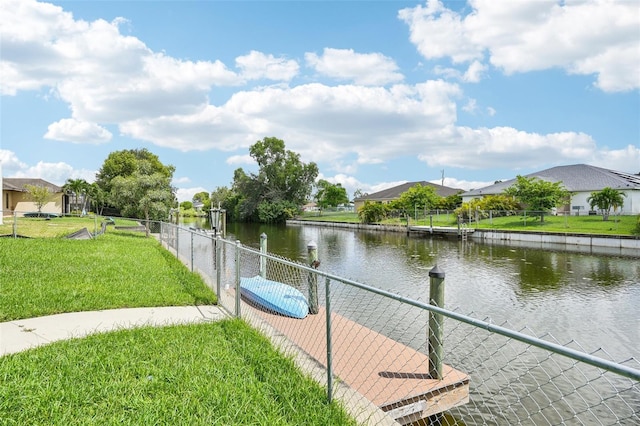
(580, 180)
(15, 197)
(391, 194)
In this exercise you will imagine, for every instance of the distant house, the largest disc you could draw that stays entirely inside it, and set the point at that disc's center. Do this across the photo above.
(580, 180)
(15, 197)
(392, 194)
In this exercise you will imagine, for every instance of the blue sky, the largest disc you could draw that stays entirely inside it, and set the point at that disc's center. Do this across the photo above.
(377, 93)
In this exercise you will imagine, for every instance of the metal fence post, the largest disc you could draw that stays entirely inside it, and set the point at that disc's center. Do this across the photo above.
(327, 313)
(192, 250)
(263, 259)
(218, 248)
(436, 332)
(238, 314)
(15, 224)
(178, 242)
(312, 256)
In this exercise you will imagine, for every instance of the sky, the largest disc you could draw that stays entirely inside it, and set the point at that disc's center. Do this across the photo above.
(376, 93)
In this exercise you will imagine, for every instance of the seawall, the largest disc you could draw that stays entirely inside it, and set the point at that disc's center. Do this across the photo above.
(573, 242)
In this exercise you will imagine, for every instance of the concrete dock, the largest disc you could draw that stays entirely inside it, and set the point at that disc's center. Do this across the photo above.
(390, 375)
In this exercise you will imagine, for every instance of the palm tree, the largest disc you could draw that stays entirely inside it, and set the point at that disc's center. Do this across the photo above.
(606, 200)
(76, 186)
(97, 197)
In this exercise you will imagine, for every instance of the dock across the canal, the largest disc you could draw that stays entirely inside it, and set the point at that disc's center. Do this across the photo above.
(461, 232)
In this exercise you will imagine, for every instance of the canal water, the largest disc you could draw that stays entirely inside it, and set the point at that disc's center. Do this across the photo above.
(592, 299)
(586, 301)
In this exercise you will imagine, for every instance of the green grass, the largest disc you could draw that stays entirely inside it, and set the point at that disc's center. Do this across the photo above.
(56, 227)
(349, 217)
(616, 225)
(221, 373)
(117, 270)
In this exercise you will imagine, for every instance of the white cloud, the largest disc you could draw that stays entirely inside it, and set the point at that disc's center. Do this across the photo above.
(582, 37)
(369, 69)
(349, 183)
(475, 72)
(257, 65)
(72, 130)
(462, 184)
(322, 123)
(485, 148)
(56, 173)
(471, 106)
(105, 77)
(108, 78)
(624, 160)
(448, 73)
(186, 194)
(240, 159)
(10, 163)
(180, 180)
(210, 128)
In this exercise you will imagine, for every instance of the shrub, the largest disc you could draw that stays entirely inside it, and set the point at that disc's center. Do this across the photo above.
(372, 212)
(501, 205)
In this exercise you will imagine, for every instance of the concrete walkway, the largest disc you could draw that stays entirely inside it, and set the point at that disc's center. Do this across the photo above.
(19, 335)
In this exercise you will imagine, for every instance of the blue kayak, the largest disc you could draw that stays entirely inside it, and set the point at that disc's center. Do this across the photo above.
(274, 296)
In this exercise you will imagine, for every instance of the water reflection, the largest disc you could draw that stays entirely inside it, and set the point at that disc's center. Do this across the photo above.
(594, 299)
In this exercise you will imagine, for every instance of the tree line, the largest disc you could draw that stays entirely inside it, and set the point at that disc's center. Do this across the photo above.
(135, 183)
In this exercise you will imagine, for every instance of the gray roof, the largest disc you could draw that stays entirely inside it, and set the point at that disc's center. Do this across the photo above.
(393, 193)
(575, 178)
(17, 184)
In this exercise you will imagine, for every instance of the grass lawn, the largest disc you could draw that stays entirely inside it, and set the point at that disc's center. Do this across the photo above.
(221, 373)
(56, 227)
(349, 217)
(116, 270)
(616, 225)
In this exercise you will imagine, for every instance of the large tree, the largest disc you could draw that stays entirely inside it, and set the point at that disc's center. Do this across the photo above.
(143, 195)
(606, 200)
(126, 162)
(418, 196)
(330, 195)
(138, 173)
(202, 197)
(538, 195)
(282, 184)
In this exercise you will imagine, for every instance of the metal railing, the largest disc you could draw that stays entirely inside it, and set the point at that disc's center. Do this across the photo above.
(512, 377)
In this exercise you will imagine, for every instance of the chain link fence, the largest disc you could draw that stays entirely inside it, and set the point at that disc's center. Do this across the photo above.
(21, 224)
(375, 351)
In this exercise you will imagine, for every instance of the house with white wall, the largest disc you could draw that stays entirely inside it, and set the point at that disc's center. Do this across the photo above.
(580, 180)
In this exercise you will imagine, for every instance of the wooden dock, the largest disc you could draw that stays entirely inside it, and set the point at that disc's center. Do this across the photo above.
(389, 374)
(441, 230)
